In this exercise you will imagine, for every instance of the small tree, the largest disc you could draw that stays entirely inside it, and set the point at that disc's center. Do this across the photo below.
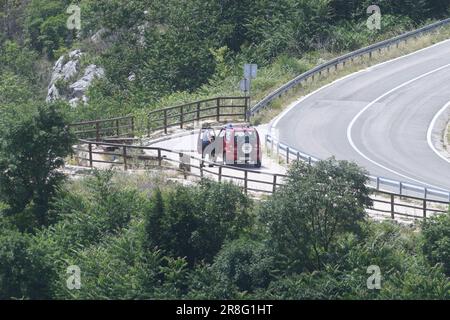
(318, 203)
(32, 148)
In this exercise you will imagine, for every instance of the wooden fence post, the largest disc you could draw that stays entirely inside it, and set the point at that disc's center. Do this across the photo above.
(392, 207)
(218, 110)
(125, 166)
(247, 109)
(159, 157)
(148, 126)
(246, 181)
(165, 121)
(424, 208)
(181, 117)
(91, 162)
(198, 111)
(97, 131)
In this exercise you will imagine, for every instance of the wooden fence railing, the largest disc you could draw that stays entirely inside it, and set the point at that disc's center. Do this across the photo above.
(93, 154)
(221, 108)
(103, 129)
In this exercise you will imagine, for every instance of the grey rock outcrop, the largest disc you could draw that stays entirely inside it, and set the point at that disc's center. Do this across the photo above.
(69, 82)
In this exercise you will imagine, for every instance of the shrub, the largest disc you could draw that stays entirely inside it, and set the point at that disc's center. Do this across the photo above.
(317, 204)
(436, 242)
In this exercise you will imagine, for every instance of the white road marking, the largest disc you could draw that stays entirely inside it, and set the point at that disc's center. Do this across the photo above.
(430, 132)
(296, 103)
(352, 123)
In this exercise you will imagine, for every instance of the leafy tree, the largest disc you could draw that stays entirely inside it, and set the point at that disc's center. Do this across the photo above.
(45, 25)
(33, 147)
(317, 204)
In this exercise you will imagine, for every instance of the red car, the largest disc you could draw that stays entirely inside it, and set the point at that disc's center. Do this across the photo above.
(235, 145)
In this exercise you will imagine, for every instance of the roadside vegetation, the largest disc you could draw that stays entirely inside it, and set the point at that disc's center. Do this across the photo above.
(148, 237)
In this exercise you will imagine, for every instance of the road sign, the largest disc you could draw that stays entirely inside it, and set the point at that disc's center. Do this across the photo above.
(250, 70)
(244, 85)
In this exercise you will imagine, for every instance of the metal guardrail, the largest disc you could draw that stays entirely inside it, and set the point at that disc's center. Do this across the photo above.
(215, 108)
(377, 183)
(139, 157)
(342, 60)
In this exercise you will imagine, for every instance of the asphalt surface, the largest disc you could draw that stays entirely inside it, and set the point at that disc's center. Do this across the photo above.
(378, 118)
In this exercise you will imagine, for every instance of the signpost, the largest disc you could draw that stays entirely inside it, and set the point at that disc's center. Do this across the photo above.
(250, 72)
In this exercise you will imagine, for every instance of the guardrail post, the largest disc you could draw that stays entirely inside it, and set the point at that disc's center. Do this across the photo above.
(378, 183)
(165, 121)
(125, 166)
(298, 155)
(117, 128)
(91, 162)
(287, 155)
(392, 207)
(220, 174)
(159, 158)
(274, 188)
(309, 160)
(401, 188)
(370, 54)
(425, 193)
(132, 126)
(218, 109)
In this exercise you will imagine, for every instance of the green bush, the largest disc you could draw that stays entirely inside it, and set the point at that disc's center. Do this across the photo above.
(436, 246)
(195, 222)
(246, 264)
(319, 203)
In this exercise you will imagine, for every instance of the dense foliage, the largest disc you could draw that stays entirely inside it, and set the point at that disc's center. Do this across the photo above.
(209, 241)
(33, 146)
(148, 238)
(178, 47)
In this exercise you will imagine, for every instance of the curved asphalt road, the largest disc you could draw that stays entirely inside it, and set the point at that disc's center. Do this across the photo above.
(378, 118)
